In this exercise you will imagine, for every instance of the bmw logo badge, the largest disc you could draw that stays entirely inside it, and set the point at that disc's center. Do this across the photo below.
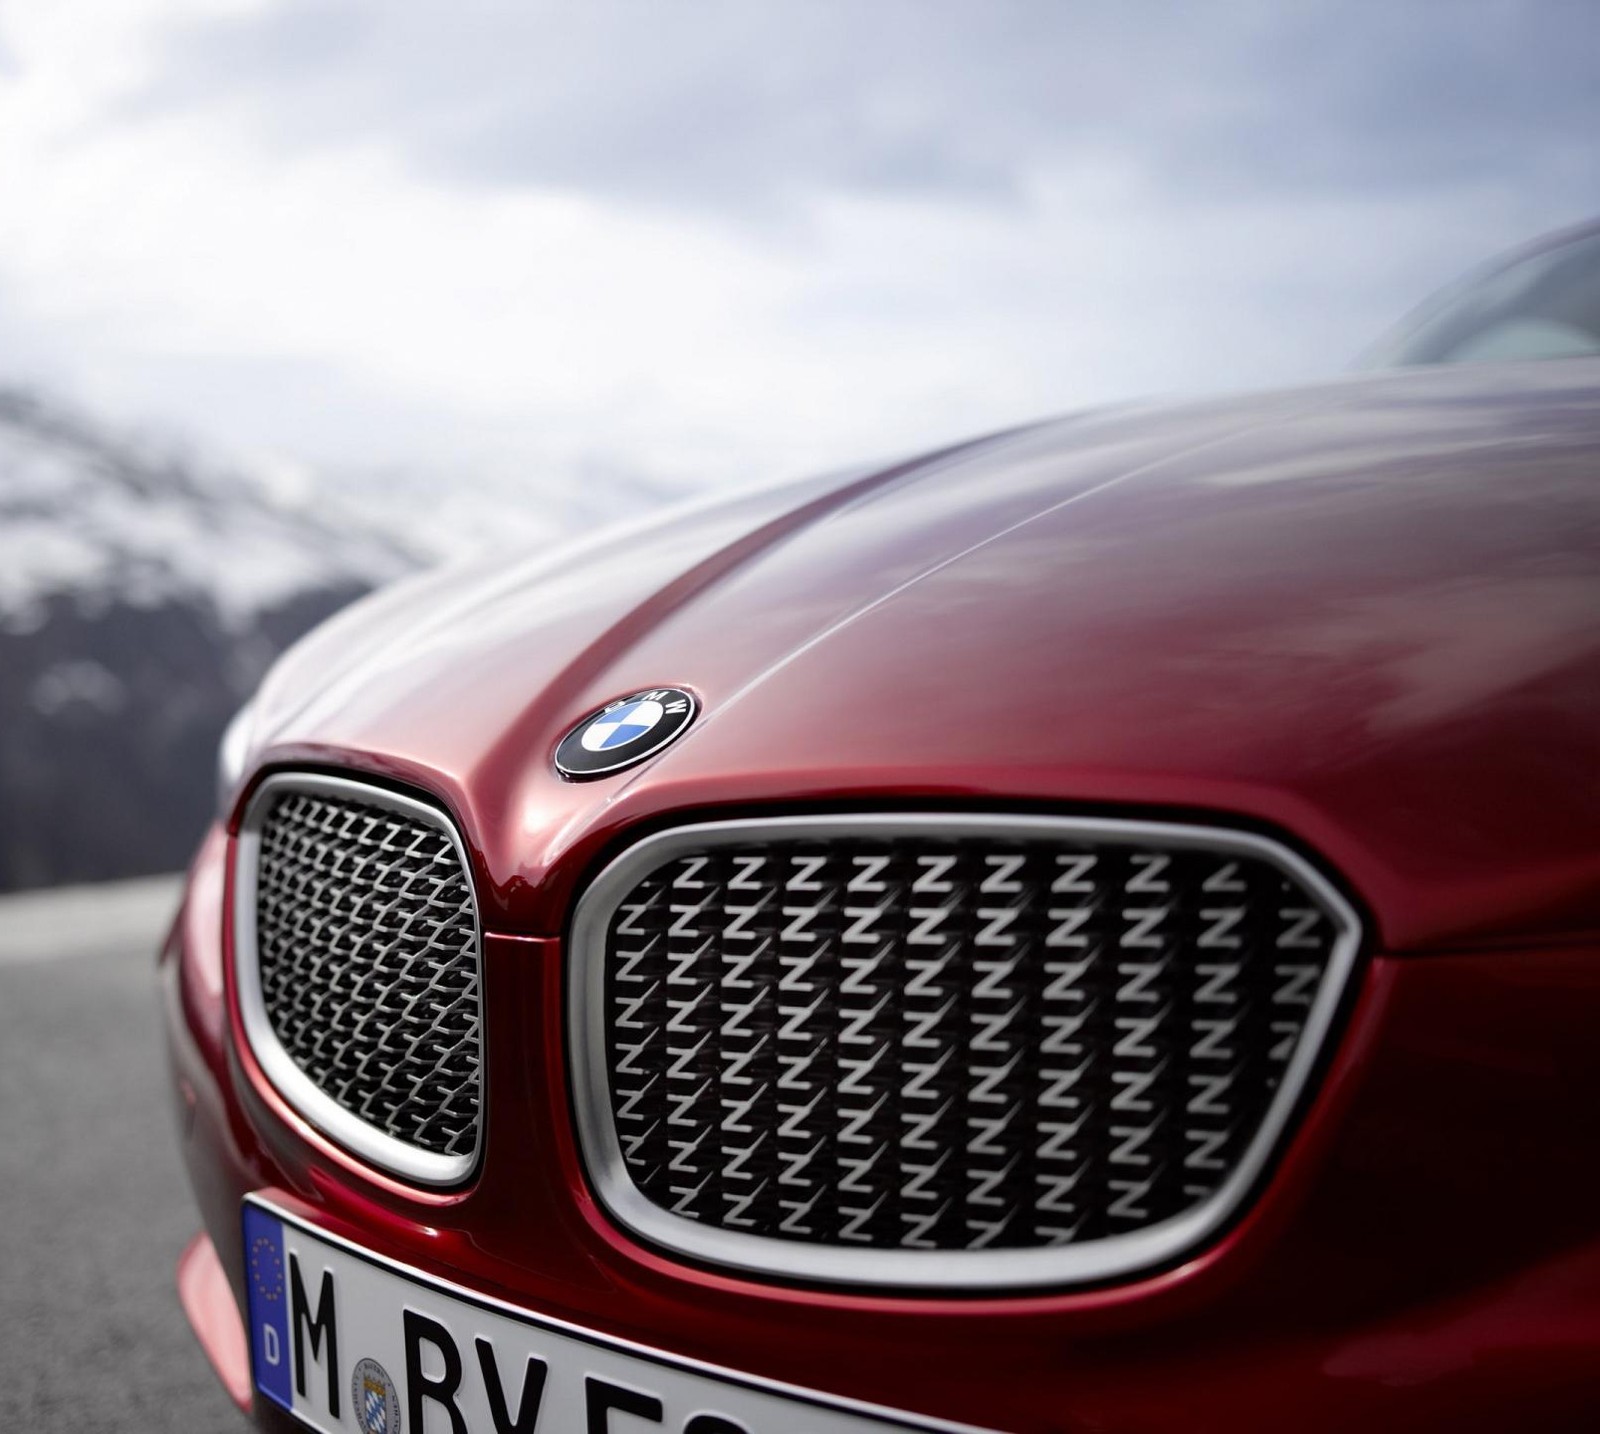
(624, 732)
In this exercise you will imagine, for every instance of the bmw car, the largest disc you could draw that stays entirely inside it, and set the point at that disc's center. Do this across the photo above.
(1096, 928)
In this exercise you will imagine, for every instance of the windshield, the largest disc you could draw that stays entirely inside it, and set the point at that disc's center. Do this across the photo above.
(1542, 305)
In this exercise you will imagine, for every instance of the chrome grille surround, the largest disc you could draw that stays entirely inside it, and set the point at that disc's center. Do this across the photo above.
(337, 881)
(720, 1085)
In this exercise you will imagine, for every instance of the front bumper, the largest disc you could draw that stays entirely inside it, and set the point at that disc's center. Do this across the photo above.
(1426, 1255)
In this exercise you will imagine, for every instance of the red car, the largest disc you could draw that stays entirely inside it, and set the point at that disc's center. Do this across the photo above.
(1093, 929)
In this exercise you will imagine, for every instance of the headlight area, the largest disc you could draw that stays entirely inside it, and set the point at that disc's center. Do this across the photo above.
(233, 752)
(194, 947)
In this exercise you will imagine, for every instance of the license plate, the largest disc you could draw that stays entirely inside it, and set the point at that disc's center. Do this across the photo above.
(348, 1341)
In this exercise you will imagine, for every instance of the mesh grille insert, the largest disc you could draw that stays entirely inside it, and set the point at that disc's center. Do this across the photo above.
(367, 951)
(984, 1042)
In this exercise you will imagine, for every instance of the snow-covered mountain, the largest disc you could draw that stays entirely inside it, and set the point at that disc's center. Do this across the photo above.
(145, 589)
(142, 594)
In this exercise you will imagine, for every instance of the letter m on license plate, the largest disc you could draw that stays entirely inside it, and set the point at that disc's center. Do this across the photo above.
(346, 1340)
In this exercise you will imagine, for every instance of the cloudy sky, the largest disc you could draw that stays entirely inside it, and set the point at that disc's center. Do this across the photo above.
(684, 242)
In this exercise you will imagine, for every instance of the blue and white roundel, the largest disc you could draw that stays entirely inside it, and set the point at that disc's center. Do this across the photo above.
(618, 726)
(624, 732)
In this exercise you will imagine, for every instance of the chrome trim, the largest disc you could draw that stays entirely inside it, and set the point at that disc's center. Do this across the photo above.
(630, 758)
(1094, 1261)
(397, 1157)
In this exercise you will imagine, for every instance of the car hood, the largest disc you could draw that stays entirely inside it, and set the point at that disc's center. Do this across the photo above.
(1365, 616)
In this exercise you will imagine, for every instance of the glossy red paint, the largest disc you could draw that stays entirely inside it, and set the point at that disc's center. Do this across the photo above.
(207, 1299)
(1427, 1254)
(1366, 618)
(1362, 614)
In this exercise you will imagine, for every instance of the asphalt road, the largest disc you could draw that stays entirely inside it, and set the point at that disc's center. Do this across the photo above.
(94, 1206)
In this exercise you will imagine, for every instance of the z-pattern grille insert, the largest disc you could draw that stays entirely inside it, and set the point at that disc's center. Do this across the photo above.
(366, 951)
(978, 1042)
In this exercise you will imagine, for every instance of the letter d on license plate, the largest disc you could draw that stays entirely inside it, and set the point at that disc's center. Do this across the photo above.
(347, 1341)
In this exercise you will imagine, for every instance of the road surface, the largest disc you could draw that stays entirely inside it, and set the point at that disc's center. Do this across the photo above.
(94, 1206)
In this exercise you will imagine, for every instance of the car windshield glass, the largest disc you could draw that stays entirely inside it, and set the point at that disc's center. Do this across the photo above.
(1540, 306)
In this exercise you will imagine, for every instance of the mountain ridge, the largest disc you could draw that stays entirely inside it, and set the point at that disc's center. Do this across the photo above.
(143, 593)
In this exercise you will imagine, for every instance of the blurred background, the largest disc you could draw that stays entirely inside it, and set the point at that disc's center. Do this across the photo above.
(297, 296)
(300, 296)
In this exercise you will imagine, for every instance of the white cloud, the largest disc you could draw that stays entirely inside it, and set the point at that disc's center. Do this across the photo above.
(336, 302)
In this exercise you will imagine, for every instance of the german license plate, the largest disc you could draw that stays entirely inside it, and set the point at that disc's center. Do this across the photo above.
(348, 1341)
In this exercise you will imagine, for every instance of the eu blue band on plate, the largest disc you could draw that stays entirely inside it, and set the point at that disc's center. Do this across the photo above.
(265, 1278)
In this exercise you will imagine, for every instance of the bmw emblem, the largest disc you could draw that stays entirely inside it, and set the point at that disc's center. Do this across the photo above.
(624, 732)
